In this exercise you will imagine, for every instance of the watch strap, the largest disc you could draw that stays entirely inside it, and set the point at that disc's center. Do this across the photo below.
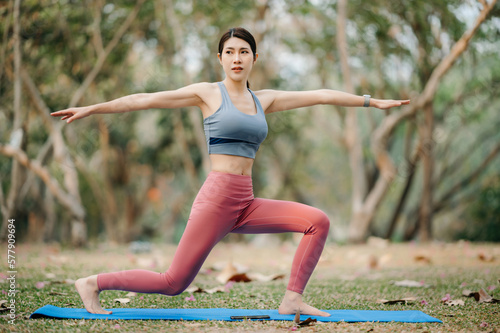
(367, 100)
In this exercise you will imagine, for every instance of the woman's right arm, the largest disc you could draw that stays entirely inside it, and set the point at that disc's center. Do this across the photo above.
(172, 99)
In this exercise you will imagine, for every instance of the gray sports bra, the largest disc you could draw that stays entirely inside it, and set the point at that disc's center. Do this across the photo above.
(232, 132)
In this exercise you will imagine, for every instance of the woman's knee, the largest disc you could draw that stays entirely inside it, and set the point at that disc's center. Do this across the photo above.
(320, 221)
(175, 286)
(175, 290)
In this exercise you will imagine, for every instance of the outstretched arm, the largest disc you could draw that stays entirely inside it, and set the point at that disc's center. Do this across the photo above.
(286, 100)
(183, 97)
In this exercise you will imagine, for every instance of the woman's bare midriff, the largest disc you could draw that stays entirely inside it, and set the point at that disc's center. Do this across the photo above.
(237, 165)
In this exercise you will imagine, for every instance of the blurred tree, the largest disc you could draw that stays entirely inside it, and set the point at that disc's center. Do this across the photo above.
(482, 217)
(430, 63)
(138, 173)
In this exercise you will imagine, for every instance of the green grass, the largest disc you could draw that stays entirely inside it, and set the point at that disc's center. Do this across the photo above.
(342, 281)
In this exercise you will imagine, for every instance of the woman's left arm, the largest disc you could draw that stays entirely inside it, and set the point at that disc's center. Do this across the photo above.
(275, 100)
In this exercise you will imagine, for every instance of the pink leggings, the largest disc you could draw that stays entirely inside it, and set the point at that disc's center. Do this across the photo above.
(226, 204)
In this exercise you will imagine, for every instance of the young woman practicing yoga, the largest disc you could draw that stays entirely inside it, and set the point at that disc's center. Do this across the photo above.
(235, 126)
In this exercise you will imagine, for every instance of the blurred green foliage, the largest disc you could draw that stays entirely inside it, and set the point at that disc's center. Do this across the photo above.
(393, 48)
(482, 218)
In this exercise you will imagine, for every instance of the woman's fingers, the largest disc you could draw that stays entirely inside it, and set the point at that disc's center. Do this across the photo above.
(62, 113)
(70, 119)
(387, 104)
(70, 114)
(65, 115)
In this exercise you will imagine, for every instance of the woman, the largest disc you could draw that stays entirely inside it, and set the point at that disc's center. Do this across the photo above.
(235, 126)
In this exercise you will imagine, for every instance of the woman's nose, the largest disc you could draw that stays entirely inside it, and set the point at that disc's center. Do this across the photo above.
(236, 58)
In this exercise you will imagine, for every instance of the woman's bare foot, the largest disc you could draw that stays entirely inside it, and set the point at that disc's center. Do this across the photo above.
(89, 292)
(292, 302)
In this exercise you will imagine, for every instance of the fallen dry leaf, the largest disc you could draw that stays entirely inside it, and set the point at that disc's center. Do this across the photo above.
(373, 262)
(385, 259)
(468, 293)
(483, 297)
(456, 302)
(423, 259)
(307, 322)
(411, 283)
(131, 294)
(239, 278)
(406, 300)
(226, 274)
(219, 289)
(485, 257)
(265, 278)
(232, 272)
(122, 300)
(194, 289)
(298, 323)
(3, 305)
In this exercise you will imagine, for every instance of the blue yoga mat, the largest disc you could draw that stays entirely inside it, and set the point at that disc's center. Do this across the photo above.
(410, 316)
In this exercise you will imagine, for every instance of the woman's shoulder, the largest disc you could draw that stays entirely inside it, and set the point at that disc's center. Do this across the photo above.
(266, 97)
(208, 94)
(203, 88)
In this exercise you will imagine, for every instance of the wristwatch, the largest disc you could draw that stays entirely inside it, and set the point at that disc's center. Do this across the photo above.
(367, 100)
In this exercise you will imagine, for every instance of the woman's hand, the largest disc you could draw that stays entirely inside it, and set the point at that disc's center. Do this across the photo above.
(385, 104)
(72, 114)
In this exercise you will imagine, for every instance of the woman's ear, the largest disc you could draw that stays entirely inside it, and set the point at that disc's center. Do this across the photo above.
(255, 57)
(220, 58)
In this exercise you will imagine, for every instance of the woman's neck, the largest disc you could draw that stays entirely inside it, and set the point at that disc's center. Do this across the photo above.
(238, 87)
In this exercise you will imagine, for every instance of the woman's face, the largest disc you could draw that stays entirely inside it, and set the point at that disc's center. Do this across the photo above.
(237, 59)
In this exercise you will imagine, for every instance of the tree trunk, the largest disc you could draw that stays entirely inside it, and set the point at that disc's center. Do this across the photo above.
(384, 130)
(18, 175)
(409, 173)
(50, 216)
(447, 198)
(427, 154)
(358, 224)
(61, 155)
(57, 191)
(195, 116)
